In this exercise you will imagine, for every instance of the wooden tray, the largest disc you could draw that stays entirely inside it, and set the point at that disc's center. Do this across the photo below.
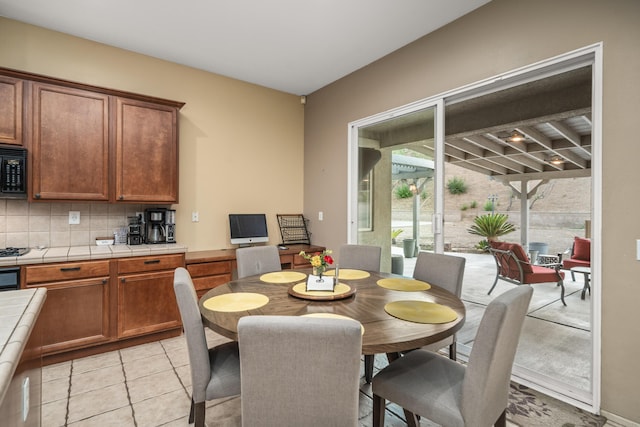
(342, 291)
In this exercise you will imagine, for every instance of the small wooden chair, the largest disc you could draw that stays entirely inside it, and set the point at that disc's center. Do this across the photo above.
(513, 266)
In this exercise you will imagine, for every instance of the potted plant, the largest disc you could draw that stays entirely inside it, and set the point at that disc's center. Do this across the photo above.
(491, 226)
(394, 235)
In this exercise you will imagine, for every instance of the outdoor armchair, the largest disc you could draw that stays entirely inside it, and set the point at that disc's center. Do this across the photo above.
(513, 266)
(580, 255)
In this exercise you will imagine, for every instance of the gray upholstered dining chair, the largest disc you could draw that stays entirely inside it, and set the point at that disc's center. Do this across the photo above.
(448, 393)
(257, 260)
(215, 372)
(360, 257)
(314, 383)
(446, 271)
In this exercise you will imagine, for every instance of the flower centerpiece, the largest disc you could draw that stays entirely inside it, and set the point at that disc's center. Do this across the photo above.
(319, 260)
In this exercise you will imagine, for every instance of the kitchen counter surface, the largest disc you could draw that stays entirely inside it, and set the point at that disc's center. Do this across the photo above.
(18, 314)
(83, 253)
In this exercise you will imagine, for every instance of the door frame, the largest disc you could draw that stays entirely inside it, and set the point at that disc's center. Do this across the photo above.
(589, 55)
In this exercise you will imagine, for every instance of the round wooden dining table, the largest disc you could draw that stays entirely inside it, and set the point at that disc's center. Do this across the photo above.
(383, 333)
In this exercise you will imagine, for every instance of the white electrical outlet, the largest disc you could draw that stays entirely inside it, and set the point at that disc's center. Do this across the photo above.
(195, 217)
(74, 217)
(320, 216)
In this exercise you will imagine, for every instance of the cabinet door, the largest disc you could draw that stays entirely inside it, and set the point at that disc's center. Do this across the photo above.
(146, 152)
(10, 110)
(146, 304)
(70, 144)
(75, 314)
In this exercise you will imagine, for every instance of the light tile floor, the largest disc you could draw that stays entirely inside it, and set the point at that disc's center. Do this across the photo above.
(148, 385)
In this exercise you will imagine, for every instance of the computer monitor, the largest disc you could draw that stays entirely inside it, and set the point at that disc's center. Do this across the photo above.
(247, 229)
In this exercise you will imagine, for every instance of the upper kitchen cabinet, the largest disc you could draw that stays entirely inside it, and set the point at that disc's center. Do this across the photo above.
(146, 152)
(91, 143)
(11, 110)
(70, 144)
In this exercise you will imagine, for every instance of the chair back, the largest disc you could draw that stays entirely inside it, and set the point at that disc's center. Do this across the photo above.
(485, 388)
(445, 271)
(360, 257)
(194, 332)
(511, 260)
(257, 260)
(313, 383)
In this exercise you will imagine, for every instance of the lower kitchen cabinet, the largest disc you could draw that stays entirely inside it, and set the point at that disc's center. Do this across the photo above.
(96, 306)
(76, 311)
(146, 300)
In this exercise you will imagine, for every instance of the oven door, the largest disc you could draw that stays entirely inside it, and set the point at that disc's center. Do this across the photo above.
(9, 278)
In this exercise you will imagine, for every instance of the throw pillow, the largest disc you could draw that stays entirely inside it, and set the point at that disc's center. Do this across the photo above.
(582, 249)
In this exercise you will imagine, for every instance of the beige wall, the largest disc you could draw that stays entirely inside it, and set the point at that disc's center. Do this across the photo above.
(241, 145)
(501, 36)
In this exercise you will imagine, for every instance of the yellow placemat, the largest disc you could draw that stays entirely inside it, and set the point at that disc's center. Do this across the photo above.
(349, 274)
(339, 289)
(402, 284)
(282, 276)
(332, 316)
(239, 301)
(421, 311)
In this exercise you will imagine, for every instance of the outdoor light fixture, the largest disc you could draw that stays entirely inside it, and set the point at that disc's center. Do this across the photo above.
(413, 188)
(515, 137)
(556, 160)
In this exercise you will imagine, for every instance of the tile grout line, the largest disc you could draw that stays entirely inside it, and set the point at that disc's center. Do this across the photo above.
(126, 386)
(173, 367)
(66, 414)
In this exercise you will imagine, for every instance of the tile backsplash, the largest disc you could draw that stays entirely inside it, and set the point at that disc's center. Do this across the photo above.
(24, 224)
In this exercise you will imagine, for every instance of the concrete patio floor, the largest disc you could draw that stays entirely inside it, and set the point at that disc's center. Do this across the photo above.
(555, 341)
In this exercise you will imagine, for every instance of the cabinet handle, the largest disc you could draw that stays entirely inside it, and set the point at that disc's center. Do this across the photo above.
(37, 195)
(104, 281)
(121, 197)
(122, 280)
(65, 269)
(152, 261)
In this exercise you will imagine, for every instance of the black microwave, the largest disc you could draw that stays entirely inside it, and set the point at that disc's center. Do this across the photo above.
(13, 172)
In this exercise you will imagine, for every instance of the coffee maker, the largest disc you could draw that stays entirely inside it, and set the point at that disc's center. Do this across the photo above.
(170, 226)
(134, 234)
(154, 226)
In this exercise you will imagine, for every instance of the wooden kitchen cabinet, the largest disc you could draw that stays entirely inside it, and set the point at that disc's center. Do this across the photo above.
(146, 152)
(76, 312)
(146, 300)
(70, 144)
(11, 110)
(91, 143)
(208, 275)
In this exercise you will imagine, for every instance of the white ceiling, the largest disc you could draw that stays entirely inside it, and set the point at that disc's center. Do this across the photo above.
(295, 46)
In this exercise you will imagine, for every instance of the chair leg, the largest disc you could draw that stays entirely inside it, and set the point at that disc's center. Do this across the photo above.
(561, 283)
(453, 351)
(368, 367)
(378, 411)
(573, 276)
(412, 419)
(502, 419)
(191, 412)
(495, 282)
(199, 414)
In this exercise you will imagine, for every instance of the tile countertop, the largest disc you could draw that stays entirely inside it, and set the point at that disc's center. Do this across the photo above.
(18, 313)
(84, 253)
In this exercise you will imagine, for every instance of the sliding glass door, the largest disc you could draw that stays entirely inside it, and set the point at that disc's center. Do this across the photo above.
(396, 202)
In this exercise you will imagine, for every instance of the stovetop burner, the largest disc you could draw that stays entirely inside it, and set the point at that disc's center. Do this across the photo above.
(13, 252)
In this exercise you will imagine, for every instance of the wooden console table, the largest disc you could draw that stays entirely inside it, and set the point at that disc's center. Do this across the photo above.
(213, 268)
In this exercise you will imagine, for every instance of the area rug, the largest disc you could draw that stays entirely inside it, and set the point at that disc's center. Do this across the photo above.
(529, 408)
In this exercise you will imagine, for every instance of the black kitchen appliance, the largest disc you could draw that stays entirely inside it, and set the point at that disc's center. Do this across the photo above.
(13, 172)
(135, 234)
(170, 225)
(154, 226)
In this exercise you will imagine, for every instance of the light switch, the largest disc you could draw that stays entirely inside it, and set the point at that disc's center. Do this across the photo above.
(320, 216)
(638, 250)
(195, 217)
